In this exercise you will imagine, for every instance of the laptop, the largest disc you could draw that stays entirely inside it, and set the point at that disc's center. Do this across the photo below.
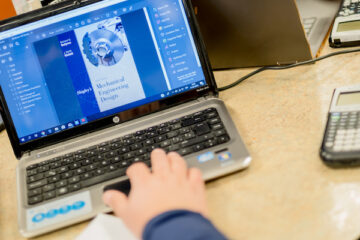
(242, 33)
(88, 88)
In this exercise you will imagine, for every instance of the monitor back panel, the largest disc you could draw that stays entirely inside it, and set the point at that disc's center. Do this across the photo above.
(243, 33)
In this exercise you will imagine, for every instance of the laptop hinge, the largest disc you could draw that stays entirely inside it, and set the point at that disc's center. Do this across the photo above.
(27, 153)
(206, 97)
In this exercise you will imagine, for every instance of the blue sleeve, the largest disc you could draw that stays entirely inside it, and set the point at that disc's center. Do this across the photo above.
(181, 225)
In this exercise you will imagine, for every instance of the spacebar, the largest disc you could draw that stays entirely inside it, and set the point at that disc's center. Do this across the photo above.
(103, 178)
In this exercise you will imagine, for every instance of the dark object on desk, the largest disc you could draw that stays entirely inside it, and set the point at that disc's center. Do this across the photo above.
(242, 33)
(123, 186)
(341, 143)
(346, 30)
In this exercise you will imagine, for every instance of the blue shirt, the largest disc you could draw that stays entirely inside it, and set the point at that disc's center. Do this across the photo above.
(181, 225)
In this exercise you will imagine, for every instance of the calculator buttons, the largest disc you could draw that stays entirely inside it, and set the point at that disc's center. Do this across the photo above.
(343, 132)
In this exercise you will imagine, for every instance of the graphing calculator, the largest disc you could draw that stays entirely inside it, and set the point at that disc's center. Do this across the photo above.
(341, 142)
(346, 29)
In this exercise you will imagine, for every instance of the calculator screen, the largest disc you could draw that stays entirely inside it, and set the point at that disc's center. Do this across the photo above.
(351, 98)
(348, 26)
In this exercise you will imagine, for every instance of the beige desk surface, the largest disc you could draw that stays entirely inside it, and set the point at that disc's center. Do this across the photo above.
(287, 193)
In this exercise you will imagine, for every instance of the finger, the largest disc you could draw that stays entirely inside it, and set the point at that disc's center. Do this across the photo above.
(160, 162)
(178, 165)
(195, 177)
(138, 173)
(117, 201)
(198, 186)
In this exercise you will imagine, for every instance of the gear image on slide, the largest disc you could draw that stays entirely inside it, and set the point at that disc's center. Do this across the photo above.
(105, 46)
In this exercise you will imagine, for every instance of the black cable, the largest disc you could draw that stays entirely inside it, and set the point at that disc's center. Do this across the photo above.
(286, 67)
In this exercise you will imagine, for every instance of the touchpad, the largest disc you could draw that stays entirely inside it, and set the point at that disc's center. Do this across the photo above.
(123, 186)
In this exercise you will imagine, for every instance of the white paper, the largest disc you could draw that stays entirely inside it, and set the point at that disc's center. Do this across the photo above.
(106, 227)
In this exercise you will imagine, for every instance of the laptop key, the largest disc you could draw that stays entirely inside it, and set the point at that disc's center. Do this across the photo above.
(100, 171)
(129, 155)
(185, 151)
(74, 179)
(50, 173)
(55, 165)
(188, 121)
(31, 172)
(163, 130)
(34, 192)
(48, 187)
(124, 164)
(116, 159)
(174, 147)
(217, 126)
(86, 175)
(37, 184)
(62, 169)
(184, 130)
(223, 139)
(172, 134)
(43, 168)
(49, 195)
(115, 146)
(211, 115)
(189, 135)
(165, 143)
(112, 167)
(61, 183)
(137, 159)
(210, 143)
(74, 187)
(35, 199)
(61, 191)
(209, 110)
(74, 165)
(103, 178)
(31, 167)
(193, 141)
(220, 132)
(146, 156)
(176, 126)
(54, 179)
(201, 129)
(66, 174)
(198, 147)
(35, 178)
(86, 162)
(123, 150)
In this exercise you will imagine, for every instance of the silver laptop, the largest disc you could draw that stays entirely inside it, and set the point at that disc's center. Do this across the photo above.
(89, 88)
(317, 17)
(246, 33)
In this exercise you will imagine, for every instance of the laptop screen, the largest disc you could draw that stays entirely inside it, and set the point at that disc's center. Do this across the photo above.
(76, 67)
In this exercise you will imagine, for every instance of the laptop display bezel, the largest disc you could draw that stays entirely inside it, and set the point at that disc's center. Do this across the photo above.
(20, 149)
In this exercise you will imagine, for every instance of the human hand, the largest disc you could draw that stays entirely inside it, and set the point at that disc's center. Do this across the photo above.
(170, 185)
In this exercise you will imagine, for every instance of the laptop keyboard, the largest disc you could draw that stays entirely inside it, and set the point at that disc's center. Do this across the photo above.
(309, 24)
(90, 166)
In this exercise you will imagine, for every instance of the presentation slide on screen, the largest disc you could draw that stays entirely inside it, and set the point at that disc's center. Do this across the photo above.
(110, 64)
